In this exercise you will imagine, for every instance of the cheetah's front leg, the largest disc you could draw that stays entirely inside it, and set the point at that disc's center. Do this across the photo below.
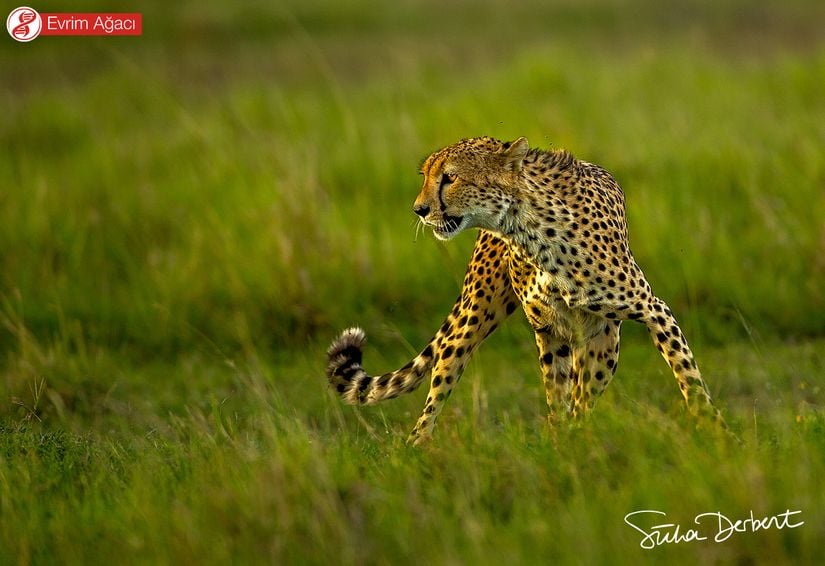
(487, 298)
(575, 376)
(556, 361)
(594, 364)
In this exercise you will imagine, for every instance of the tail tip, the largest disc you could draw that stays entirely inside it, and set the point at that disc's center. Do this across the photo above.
(346, 349)
(351, 338)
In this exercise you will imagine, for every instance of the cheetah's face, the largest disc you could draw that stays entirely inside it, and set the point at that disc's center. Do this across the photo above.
(469, 185)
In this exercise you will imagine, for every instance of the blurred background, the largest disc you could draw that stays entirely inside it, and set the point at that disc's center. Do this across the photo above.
(187, 218)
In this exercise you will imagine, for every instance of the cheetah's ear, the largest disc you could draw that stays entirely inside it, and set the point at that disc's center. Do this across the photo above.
(513, 153)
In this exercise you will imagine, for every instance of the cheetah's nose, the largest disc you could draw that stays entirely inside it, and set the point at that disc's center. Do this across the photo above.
(421, 210)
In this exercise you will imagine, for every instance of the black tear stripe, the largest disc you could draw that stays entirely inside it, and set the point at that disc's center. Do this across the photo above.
(441, 186)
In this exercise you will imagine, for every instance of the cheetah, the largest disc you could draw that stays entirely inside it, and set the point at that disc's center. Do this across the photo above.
(552, 238)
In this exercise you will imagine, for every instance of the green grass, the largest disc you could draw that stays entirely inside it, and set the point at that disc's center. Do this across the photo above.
(187, 219)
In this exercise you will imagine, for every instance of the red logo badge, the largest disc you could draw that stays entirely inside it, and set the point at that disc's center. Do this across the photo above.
(24, 24)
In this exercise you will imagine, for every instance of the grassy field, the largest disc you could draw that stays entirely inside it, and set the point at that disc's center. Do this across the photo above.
(189, 217)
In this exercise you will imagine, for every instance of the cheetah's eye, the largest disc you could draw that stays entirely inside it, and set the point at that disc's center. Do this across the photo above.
(447, 179)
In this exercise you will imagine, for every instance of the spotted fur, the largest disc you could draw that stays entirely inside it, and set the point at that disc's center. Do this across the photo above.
(553, 239)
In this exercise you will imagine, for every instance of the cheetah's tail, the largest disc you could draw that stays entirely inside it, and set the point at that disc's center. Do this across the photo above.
(356, 387)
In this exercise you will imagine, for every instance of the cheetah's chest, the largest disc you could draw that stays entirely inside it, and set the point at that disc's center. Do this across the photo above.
(549, 300)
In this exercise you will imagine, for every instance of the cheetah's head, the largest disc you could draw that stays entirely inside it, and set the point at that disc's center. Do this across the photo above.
(470, 185)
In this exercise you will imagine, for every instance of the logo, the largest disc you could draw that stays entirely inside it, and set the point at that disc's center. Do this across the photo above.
(24, 24)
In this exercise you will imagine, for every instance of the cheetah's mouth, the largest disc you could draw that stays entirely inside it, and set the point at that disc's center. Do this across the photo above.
(449, 226)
